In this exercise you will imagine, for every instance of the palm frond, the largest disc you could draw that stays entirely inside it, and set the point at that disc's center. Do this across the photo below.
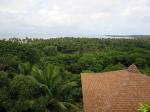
(24, 68)
(38, 74)
(65, 88)
(71, 106)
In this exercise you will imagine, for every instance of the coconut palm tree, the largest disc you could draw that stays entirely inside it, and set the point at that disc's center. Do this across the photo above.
(51, 77)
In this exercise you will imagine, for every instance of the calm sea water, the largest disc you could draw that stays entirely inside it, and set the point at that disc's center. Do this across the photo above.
(46, 36)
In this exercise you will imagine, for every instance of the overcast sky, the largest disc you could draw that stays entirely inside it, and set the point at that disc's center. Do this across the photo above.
(75, 17)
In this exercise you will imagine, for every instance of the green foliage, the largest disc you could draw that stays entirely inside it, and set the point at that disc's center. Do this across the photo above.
(144, 108)
(58, 89)
(23, 87)
(114, 67)
(9, 62)
(50, 50)
(23, 51)
(38, 75)
(140, 62)
(24, 68)
(27, 94)
(146, 70)
(5, 102)
(87, 62)
(4, 80)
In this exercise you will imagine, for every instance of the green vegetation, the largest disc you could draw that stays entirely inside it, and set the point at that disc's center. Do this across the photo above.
(144, 108)
(38, 75)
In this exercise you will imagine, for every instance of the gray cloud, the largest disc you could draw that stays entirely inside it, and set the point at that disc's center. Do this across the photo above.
(62, 17)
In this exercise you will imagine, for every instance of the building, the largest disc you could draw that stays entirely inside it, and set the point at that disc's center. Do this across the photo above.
(116, 91)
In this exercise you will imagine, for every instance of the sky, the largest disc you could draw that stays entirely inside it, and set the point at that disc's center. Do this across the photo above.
(75, 17)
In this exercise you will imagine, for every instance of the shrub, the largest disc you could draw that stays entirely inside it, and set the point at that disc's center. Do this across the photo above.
(144, 108)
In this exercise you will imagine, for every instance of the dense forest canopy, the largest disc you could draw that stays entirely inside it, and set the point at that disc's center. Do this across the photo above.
(43, 75)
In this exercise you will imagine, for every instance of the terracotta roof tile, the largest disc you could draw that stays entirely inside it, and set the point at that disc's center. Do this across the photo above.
(116, 91)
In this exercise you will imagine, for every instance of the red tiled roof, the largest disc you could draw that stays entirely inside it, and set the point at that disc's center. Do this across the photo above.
(116, 91)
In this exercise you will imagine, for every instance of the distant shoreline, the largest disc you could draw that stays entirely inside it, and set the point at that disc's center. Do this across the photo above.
(47, 36)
